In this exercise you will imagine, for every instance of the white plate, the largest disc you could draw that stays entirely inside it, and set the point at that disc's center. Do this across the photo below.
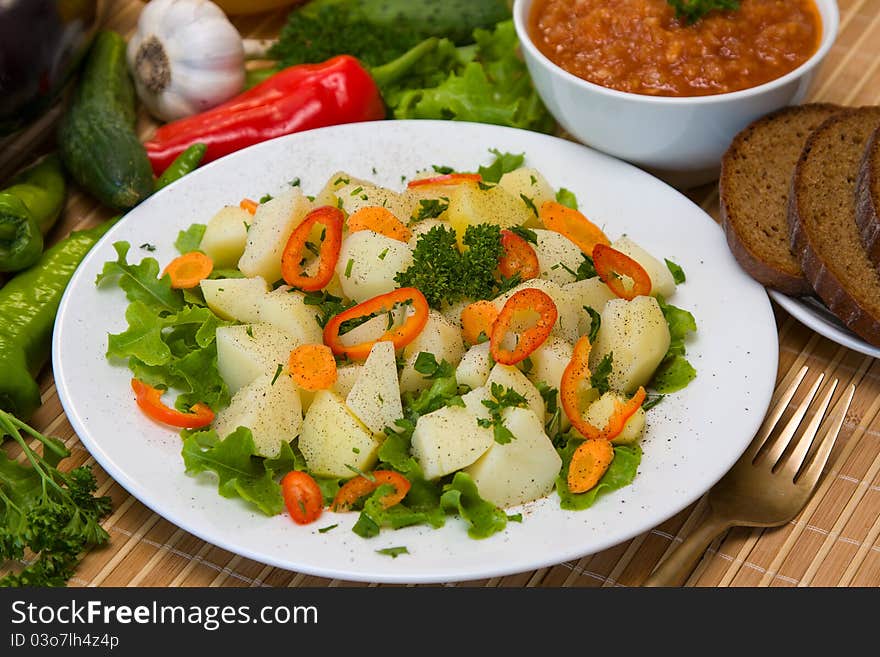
(813, 314)
(693, 438)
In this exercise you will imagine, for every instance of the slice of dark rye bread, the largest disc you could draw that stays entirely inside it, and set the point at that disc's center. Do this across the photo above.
(822, 220)
(868, 199)
(753, 189)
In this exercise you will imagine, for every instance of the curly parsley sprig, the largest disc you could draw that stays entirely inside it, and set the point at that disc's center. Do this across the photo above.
(690, 11)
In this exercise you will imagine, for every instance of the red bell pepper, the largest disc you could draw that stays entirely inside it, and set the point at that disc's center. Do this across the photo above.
(297, 98)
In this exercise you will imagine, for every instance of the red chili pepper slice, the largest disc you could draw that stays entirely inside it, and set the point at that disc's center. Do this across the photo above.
(577, 371)
(400, 336)
(529, 300)
(328, 254)
(573, 225)
(446, 179)
(612, 266)
(302, 497)
(354, 489)
(149, 399)
(519, 257)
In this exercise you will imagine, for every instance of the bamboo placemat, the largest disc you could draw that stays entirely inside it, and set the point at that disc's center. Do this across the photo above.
(834, 542)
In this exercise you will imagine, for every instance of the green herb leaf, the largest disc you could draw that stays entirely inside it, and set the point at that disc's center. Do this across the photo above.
(567, 198)
(595, 323)
(394, 551)
(141, 282)
(599, 377)
(690, 11)
(503, 163)
(190, 239)
(239, 473)
(676, 271)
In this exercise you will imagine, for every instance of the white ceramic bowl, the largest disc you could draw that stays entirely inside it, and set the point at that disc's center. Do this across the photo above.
(678, 139)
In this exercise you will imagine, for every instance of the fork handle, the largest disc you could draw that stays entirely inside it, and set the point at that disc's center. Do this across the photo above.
(678, 566)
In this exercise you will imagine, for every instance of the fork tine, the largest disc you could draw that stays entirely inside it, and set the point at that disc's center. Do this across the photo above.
(810, 475)
(774, 414)
(778, 446)
(795, 460)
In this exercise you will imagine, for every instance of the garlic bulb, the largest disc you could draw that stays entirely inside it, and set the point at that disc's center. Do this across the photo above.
(185, 57)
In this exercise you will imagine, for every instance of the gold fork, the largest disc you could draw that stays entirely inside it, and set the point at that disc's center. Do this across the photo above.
(769, 484)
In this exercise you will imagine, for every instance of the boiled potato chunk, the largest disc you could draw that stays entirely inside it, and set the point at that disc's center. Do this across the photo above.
(375, 396)
(509, 377)
(530, 183)
(600, 411)
(368, 263)
(356, 195)
(568, 306)
(327, 195)
(226, 235)
(333, 441)
(285, 308)
(346, 376)
(522, 470)
(661, 278)
(439, 337)
(557, 255)
(592, 293)
(237, 299)
(637, 333)
(447, 440)
(270, 408)
(247, 351)
(475, 366)
(468, 204)
(270, 229)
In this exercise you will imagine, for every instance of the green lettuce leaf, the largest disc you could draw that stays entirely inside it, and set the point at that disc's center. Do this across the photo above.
(240, 471)
(620, 473)
(674, 371)
(461, 497)
(141, 282)
(190, 239)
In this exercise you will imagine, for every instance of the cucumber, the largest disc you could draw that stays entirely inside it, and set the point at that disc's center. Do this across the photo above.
(96, 135)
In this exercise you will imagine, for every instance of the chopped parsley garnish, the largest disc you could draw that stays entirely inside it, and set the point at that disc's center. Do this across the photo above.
(595, 323)
(324, 530)
(294, 183)
(383, 254)
(527, 234)
(443, 170)
(690, 11)
(356, 191)
(348, 267)
(501, 398)
(530, 204)
(148, 247)
(426, 364)
(394, 551)
(430, 208)
(651, 400)
(515, 517)
(599, 378)
(503, 163)
(327, 304)
(277, 374)
(265, 198)
(341, 181)
(586, 269)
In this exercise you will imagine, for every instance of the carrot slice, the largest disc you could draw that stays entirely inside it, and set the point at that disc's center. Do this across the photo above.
(379, 220)
(573, 225)
(612, 265)
(477, 319)
(189, 269)
(248, 205)
(312, 366)
(302, 497)
(589, 462)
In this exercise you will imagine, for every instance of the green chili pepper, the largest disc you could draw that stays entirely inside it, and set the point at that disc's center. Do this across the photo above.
(187, 161)
(28, 304)
(29, 207)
